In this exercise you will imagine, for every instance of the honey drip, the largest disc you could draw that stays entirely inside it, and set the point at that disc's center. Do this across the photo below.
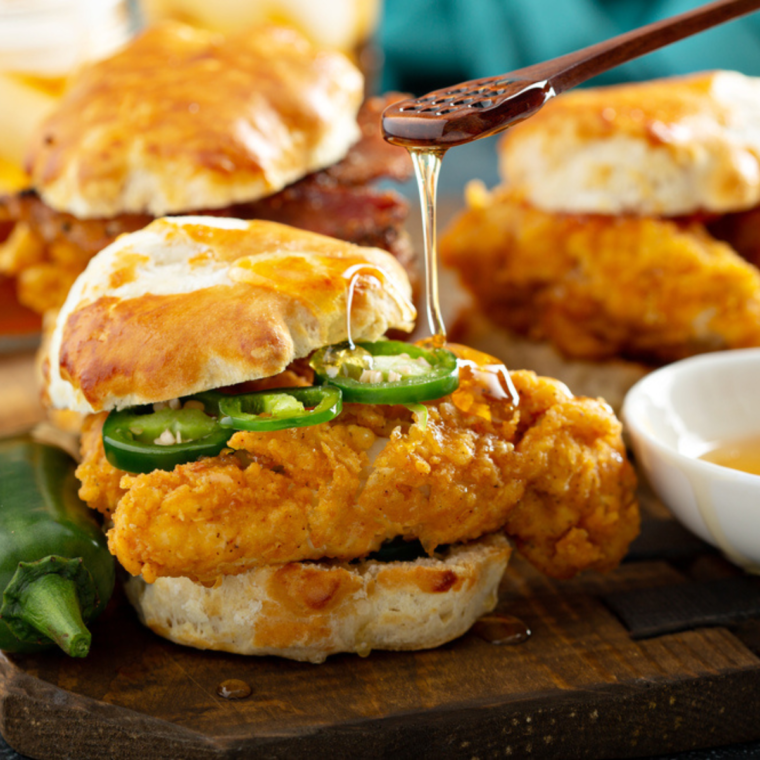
(493, 380)
(352, 274)
(501, 629)
(427, 167)
(233, 688)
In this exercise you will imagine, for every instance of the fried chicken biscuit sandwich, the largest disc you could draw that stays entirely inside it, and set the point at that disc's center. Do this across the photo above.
(258, 124)
(327, 498)
(625, 234)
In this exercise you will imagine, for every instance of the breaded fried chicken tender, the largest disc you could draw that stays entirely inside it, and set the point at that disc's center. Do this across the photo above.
(551, 473)
(598, 287)
(284, 537)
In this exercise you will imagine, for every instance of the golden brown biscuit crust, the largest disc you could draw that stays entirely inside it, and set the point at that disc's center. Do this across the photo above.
(667, 147)
(184, 119)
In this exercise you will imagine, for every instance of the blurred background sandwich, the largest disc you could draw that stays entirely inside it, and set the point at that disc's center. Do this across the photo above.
(624, 234)
(257, 124)
(349, 26)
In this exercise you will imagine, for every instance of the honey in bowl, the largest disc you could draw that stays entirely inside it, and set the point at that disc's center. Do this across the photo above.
(737, 453)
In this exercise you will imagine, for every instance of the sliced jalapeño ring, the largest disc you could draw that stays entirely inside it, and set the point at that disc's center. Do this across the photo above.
(387, 372)
(142, 440)
(282, 408)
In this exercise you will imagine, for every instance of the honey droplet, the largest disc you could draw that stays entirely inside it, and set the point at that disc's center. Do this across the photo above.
(363, 649)
(352, 275)
(233, 688)
(501, 629)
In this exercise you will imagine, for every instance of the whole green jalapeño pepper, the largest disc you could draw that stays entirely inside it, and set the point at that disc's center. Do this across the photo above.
(56, 573)
(387, 372)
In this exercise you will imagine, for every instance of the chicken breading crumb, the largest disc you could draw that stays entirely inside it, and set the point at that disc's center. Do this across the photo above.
(100, 479)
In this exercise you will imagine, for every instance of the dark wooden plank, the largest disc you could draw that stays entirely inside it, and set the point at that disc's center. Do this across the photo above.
(666, 539)
(683, 606)
(627, 721)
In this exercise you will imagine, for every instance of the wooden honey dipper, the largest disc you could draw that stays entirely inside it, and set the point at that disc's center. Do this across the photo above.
(480, 107)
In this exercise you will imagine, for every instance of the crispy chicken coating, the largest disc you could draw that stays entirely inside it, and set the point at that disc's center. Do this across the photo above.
(550, 472)
(597, 287)
(100, 481)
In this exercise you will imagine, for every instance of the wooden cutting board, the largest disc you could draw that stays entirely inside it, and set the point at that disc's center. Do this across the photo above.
(580, 686)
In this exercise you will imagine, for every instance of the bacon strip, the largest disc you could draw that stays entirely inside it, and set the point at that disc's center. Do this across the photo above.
(741, 230)
(88, 235)
(360, 215)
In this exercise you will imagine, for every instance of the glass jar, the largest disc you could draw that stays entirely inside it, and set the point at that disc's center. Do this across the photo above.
(42, 42)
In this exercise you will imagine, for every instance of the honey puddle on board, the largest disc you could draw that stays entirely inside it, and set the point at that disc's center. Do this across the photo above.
(498, 628)
(233, 688)
(737, 453)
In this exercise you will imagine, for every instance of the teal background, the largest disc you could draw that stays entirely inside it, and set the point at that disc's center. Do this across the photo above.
(435, 43)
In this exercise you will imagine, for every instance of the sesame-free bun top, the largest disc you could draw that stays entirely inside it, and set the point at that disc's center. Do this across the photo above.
(193, 303)
(184, 119)
(666, 147)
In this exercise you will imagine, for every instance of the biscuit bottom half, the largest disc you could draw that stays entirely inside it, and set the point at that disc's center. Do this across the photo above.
(309, 610)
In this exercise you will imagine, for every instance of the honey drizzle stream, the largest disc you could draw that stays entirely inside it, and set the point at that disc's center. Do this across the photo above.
(352, 275)
(427, 166)
(349, 304)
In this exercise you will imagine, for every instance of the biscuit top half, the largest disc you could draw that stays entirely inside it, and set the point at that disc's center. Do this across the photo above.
(193, 303)
(185, 119)
(667, 147)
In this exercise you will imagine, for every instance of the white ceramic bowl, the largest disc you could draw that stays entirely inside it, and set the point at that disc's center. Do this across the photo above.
(679, 412)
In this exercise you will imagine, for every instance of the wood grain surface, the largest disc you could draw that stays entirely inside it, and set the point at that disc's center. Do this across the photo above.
(20, 408)
(579, 687)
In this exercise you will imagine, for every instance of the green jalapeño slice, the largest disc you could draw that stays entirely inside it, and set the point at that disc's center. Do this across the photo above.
(279, 409)
(140, 439)
(387, 372)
